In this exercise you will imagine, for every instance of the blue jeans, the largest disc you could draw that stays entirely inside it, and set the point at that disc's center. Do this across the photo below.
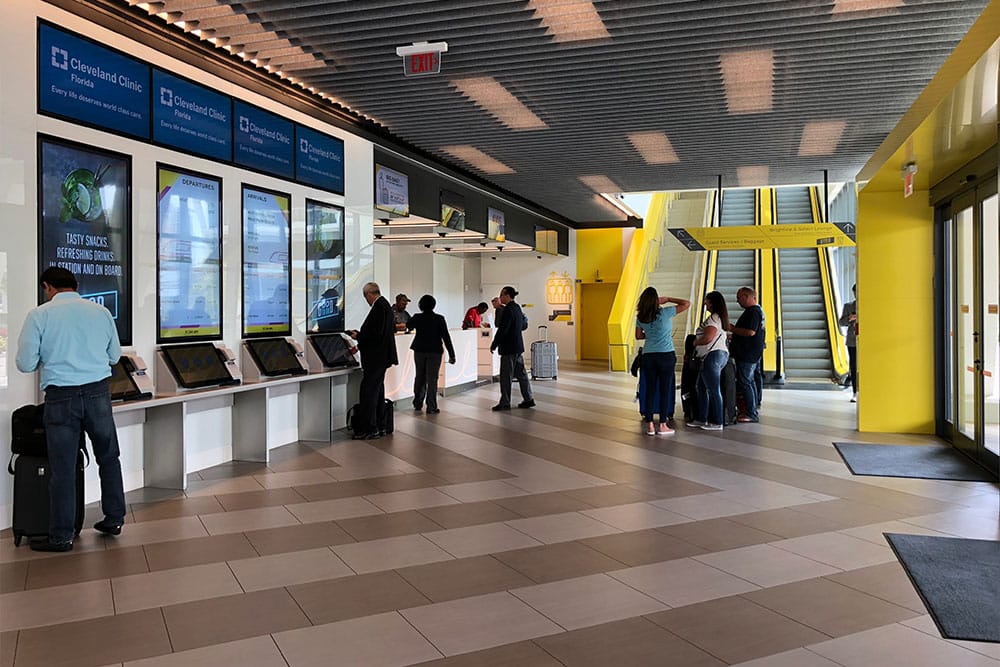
(710, 388)
(70, 411)
(512, 368)
(658, 375)
(746, 372)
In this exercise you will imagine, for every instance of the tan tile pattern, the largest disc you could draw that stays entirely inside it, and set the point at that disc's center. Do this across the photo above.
(751, 546)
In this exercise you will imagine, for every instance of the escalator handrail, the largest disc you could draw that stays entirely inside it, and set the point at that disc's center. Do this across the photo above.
(838, 345)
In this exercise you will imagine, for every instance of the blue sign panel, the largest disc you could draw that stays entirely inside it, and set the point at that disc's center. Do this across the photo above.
(263, 141)
(87, 83)
(319, 160)
(191, 117)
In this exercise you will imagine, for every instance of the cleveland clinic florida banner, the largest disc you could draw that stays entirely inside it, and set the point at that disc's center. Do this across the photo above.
(85, 222)
(189, 267)
(266, 262)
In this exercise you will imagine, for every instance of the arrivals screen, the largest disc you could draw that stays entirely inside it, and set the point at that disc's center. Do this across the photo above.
(266, 263)
(274, 356)
(196, 365)
(332, 350)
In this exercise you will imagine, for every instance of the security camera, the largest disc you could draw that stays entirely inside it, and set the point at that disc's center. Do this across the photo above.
(427, 245)
(482, 243)
(378, 236)
(442, 234)
(620, 196)
(384, 221)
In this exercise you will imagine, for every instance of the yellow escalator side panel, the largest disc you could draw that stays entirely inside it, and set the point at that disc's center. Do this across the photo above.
(768, 290)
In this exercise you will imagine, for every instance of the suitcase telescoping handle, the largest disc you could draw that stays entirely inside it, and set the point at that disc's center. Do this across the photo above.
(543, 333)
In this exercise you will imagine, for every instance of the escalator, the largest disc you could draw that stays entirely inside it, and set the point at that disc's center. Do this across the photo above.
(805, 334)
(735, 268)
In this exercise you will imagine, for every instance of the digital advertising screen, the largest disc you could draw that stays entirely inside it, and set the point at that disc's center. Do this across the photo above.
(85, 222)
(319, 160)
(191, 117)
(189, 266)
(496, 229)
(85, 82)
(453, 211)
(267, 229)
(263, 141)
(324, 267)
(392, 191)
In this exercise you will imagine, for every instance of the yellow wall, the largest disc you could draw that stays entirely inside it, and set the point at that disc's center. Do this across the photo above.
(599, 250)
(596, 300)
(895, 312)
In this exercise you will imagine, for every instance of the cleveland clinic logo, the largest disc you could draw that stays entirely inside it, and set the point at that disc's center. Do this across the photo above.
(304, 146)
(244, 124)
(166, 97)
(60, 58)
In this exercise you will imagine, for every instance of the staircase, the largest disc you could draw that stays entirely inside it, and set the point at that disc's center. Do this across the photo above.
(805, 338)
(735, 268)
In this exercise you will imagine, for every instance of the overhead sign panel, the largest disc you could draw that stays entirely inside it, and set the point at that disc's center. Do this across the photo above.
(263, 141)
(753, 237)
(88, 83)
(319, 160)
(191, 117)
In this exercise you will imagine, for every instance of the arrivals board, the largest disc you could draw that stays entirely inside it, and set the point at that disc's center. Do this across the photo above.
(266, 263)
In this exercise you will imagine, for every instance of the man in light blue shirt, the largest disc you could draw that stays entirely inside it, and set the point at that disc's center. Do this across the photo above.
(75, 342)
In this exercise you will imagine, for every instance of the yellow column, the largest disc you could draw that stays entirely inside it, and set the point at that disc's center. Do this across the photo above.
(895, 312)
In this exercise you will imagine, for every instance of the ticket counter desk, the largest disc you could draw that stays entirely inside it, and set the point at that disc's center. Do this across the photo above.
(164, 439)
(453, 378)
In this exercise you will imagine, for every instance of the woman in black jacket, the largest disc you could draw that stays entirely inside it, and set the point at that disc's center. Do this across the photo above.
(432, 332)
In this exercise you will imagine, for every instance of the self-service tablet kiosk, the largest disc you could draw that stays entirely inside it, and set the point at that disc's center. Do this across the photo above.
(330, 351)
(272, 357)
(130, 380)
(195, 366)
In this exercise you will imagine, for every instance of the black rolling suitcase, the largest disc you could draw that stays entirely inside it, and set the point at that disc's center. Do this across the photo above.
(384, 418)
(728, 386)
(29, 465)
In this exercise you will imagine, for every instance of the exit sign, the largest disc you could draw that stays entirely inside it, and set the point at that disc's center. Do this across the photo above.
(422, 58)
(421, 64)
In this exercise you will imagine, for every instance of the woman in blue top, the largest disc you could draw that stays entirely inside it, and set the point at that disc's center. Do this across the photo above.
(656, 326)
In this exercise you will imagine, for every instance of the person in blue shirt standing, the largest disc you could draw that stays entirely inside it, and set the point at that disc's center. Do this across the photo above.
(74, 341)
(655, 325)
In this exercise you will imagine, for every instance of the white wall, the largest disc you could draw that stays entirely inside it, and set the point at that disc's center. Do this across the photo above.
(19, 125)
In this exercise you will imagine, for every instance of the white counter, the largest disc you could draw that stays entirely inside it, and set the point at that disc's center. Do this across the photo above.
(399, 379)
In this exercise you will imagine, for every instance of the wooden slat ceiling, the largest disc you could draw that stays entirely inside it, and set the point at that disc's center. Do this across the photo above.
(661, 67)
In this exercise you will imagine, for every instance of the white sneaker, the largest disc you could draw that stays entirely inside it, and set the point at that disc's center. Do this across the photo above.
(854, 398)
(665, 430)
(650, 430)
(711, 427)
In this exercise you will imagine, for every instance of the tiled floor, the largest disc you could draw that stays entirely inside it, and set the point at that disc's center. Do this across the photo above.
(554, 536)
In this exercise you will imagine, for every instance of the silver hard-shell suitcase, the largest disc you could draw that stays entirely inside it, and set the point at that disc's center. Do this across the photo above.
(544, 356)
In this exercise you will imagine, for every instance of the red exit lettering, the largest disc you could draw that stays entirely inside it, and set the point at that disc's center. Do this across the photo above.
(423, 62)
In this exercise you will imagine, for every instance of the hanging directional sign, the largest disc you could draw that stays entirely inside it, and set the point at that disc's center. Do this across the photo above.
(752, 237)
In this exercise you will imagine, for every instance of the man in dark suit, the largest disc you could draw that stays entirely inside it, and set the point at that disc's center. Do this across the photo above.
(376, 342)
(510, 322)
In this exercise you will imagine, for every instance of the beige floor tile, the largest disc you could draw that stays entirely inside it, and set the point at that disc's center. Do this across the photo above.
(197, 551)
(468, 514)
(296, 567)
(851, 512)
(254, 652)
(968, 524)
(705, 506)
(606, 496)
(635, 516)
(682, 582)
(158, 589)
(278, 480)
(841, 551)
(718, 534)
(213, 487)
(735, 629)
(75, 568)
(354, 597)
(352, 471)
(479, 540)
(642, 547)
(412, 499)
(98, 641)
(378, 526)
(56, 604)
(520, 654)
(799, 657)
(253, 499)
(585, 601)
(926, 625)
(765, 565)
(562, 527)
(554, 562)
(390, 553)
(898, 645)
(788, 523)
(463, 577)
(843, 611)
(479, 622)
(382, 640)
(332, 510)
(887, 582)
(297, 538)
(634, 642)
(231, 618)
(243, 520)
(162, 530)
(874, 533)
(475, 491)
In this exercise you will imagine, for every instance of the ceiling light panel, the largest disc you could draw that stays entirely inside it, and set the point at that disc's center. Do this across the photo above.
(748, 78)
(478, 159)
(569, 20)
(847, 6)
(599, 183)
(821, 137)
(654, 147)
(487, 93)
